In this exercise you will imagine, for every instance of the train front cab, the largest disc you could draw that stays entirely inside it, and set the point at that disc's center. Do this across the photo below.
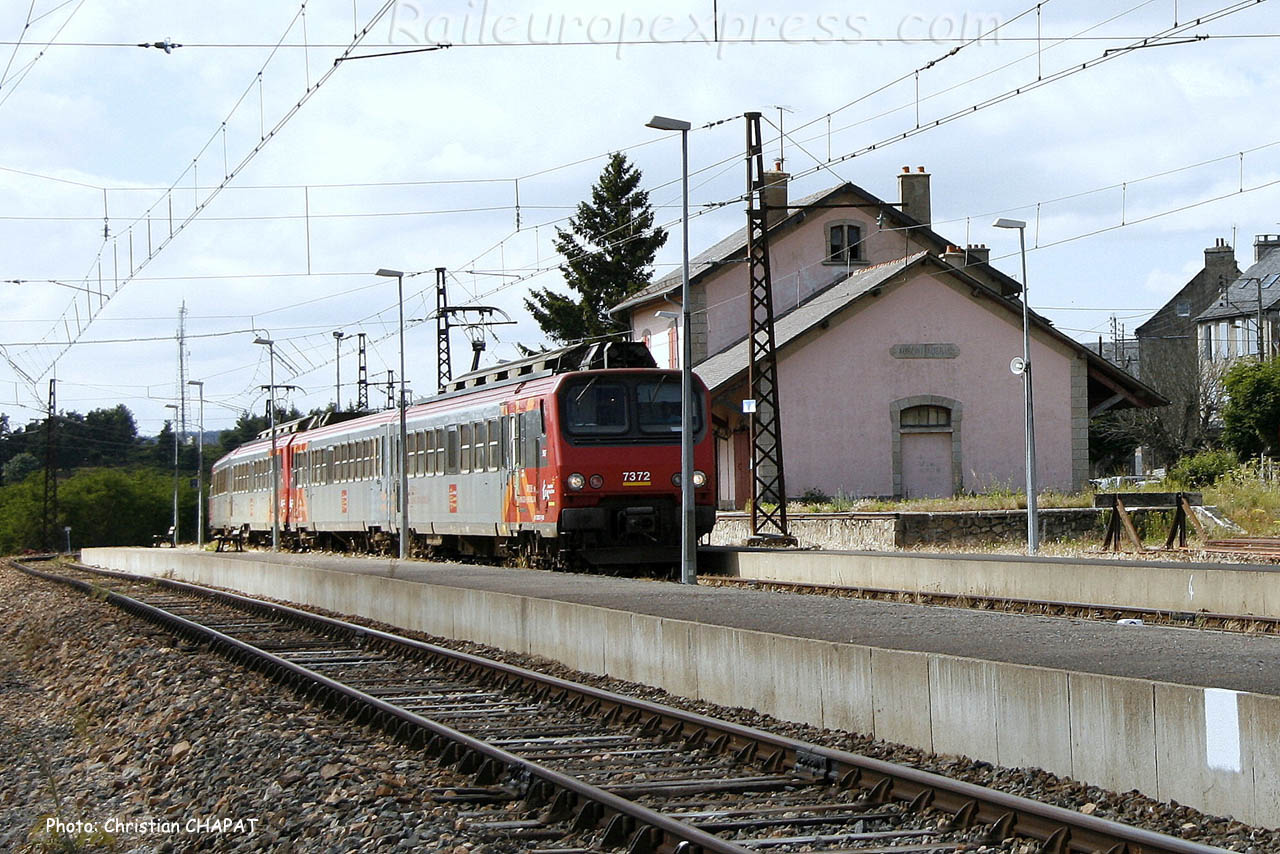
(619, 466)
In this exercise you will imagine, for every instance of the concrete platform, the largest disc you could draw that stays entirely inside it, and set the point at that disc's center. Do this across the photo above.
(1218, 588)
(1178, 714)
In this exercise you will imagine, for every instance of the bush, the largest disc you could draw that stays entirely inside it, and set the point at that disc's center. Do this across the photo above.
(1203, 469)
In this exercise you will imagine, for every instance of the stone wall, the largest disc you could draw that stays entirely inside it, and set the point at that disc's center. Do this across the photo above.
(888, 531)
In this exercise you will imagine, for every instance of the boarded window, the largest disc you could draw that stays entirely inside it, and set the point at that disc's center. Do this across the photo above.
(925, 416)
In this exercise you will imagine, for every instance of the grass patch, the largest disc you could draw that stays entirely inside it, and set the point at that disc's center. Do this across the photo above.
(1001, 499)
(1248, 500)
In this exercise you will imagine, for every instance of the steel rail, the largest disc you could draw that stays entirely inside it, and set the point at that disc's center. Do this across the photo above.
(1060, 830)
(654, 831)
(920, 596)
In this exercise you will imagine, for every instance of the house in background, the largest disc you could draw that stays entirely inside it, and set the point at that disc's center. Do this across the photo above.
(1240, 321)
(893, 354)
(1169, 353)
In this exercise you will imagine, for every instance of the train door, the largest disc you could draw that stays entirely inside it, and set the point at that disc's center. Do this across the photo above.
(389, 471)
(527, 494)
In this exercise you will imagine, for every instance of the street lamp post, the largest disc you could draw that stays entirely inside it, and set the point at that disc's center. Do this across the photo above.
(275, 463)
(200, 469)
(1033, 530)
(174, 407)
(404, 440)
(338, 335)
(688, 516)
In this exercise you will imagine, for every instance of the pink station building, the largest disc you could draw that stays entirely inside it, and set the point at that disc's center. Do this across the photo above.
(894, 350)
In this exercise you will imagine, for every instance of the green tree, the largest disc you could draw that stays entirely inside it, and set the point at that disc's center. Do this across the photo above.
(19, 467)
(21, 525)
(1251, 417)
(608, 251)
(103, 506)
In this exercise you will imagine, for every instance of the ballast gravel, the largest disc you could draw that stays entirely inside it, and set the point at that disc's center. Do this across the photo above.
(104, 717)
(114, 737)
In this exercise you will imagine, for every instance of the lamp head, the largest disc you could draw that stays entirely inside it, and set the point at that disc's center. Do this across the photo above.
(664, 123)
(196, 382)
(339, 334)
(264, 341)
(1002, 222)
(394, 274)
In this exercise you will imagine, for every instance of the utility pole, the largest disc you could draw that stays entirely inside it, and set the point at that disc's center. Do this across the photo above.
(49, 505)
(338, 335)
(181, 425)
(1261, 357)
(769, 492)
(362, 381)
(444, 361)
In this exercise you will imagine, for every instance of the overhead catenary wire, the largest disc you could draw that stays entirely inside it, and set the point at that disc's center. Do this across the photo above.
(265, 137)
(542, 268)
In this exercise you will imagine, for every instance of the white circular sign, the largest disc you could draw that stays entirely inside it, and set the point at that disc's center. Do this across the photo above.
(1017, 366)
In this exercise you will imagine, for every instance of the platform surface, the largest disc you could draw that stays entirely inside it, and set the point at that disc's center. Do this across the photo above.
(1196, 657)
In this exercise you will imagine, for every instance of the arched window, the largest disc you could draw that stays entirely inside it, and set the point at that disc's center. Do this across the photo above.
(918, 417)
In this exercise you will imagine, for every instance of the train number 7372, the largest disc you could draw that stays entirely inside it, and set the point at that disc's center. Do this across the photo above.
(636, 478)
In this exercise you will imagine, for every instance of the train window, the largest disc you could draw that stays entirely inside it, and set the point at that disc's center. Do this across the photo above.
(464, 438)
(594, 408)
(440, 439)
(507, 456)
(658, 406)
(481, 446)
(495, 435)
(530, 434)
(451, 452)
(412, 451)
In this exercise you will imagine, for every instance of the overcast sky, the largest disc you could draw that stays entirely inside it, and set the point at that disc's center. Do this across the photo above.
(428, 147)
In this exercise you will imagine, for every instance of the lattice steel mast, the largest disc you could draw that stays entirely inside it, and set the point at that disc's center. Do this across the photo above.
(769, 492)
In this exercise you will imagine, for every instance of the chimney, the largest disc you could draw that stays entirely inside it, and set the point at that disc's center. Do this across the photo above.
(913, 190)
(1220, 261)
(979, 253)
(1264, 245)
(775, 194)
(954, 256)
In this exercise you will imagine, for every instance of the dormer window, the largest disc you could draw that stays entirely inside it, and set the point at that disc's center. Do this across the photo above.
(844, 243)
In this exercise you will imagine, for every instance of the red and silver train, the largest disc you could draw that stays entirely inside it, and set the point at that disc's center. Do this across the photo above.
(567, 458)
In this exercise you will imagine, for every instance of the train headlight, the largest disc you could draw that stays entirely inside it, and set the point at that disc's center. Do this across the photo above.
(596, 481)
(699, 478)
(575, 481)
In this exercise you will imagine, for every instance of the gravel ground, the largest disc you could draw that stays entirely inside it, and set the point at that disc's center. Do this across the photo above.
(100, 719)
(1132, 807)
(104, 720)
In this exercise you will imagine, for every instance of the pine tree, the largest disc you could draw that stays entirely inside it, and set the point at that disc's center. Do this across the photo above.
(608, 253)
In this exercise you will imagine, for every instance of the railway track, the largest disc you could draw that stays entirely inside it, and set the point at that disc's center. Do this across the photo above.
(566, 768)
(1041, 607)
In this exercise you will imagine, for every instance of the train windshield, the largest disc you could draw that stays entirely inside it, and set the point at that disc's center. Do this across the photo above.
(658, 405)
(596, 408)
(624, 409)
